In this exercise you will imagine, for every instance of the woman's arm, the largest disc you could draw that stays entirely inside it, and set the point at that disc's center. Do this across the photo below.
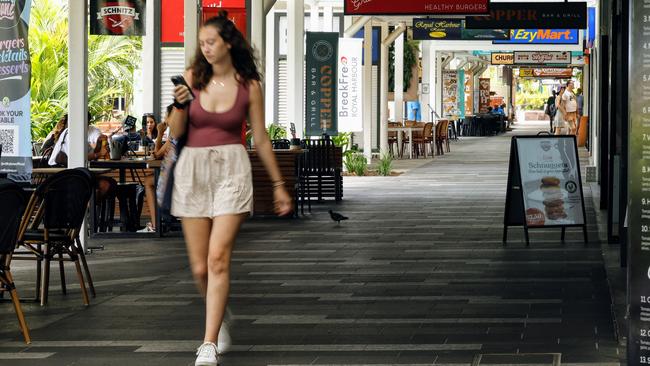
(283, 204)
(178, 118)
(162, 151)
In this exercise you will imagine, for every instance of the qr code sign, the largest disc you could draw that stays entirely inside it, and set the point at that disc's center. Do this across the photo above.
(9, 140)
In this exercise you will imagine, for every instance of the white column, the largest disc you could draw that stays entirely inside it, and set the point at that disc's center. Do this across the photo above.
(425, 46)
(148, 61)
(191, 29)
(295, 64)
(383, 93)
(433, 80)
(328, 23)
(77, 83)
(399, 79)
(78, 88)
(367, 91)
(314, 14)
(269, 69)
(438, 85)
(258, 23)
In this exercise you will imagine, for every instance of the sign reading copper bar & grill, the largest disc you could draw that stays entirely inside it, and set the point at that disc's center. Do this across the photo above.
(416, 7)
(321, 73)
(638, 265)
(544, 185)
(118, 17)
(542, 58)
(566, 15)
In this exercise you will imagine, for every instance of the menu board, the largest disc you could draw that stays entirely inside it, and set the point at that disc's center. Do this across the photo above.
(638, 189)
(449, 92)
(550, 184)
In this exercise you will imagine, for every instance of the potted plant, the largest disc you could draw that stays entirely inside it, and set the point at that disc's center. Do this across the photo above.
(295, 142)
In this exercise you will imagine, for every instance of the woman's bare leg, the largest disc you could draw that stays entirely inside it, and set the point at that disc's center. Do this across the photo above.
(222, 238)
(197, 240)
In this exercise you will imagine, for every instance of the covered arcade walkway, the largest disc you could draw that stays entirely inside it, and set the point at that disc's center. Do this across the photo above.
(417, 276)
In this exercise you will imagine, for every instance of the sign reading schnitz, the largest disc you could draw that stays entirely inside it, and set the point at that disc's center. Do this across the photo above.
(416, 7)
(117, 17)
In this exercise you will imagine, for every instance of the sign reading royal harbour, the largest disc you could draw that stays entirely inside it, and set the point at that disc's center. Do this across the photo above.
(415, 7)
(117, 17)
(321, 76)
(542, 58)
(15, 81)
(453, 29)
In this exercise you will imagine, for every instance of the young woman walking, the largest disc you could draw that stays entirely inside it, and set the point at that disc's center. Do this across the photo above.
(213, 191)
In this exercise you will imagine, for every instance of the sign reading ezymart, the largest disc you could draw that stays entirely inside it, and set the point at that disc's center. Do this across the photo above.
(415, 7)
(541, 36)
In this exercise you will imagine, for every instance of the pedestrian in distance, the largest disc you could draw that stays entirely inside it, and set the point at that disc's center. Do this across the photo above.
(569, 107)
(550, 109)
(558, 121)
(212, 192)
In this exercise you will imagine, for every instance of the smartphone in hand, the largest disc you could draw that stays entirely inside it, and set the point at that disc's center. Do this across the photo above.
(180, 80)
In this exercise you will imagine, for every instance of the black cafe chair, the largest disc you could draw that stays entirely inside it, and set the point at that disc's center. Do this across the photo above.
(54, 218)
(13, 206)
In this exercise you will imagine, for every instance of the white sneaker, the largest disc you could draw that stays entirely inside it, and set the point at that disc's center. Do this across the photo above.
(206, 355)
(223, 342)
(147, 229)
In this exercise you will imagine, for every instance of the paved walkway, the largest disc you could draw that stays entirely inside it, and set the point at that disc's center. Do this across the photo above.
(417, 276)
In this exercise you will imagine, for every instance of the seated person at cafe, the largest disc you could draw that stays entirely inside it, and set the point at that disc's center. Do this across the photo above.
(96, 146)
(56, 132)
(130, 137)
(149, 128)
(159, 151)
(497, 110)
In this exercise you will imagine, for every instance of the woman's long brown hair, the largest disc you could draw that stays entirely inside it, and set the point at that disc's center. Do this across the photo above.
(241, 53)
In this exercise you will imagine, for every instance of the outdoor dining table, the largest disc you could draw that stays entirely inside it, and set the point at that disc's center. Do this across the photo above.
(409, 130)
(124, 165)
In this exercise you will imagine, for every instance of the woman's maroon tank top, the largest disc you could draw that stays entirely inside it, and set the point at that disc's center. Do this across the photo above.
(222, 128)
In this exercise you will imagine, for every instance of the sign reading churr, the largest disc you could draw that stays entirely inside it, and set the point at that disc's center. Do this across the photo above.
(501, 58)
(415, 7)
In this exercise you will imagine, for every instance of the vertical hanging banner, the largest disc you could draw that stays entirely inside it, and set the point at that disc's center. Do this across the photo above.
(638, 211)
(350, 85)
(117, 17)
(483, 95)
(321, 76)
(15, 85)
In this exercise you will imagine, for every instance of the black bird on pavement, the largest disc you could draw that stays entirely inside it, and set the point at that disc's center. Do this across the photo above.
(337, 217)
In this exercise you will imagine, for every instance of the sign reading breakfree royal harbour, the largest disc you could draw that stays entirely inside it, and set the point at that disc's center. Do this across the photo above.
(453, 29)
(415, 7)
(117, 17)
(15, 94)
(515, 15)
(321, 75)
(350, 85)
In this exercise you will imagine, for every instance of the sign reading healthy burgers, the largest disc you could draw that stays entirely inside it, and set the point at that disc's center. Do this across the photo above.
(15, 81)
(321, 76)
(544, 187)
(638, 265)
